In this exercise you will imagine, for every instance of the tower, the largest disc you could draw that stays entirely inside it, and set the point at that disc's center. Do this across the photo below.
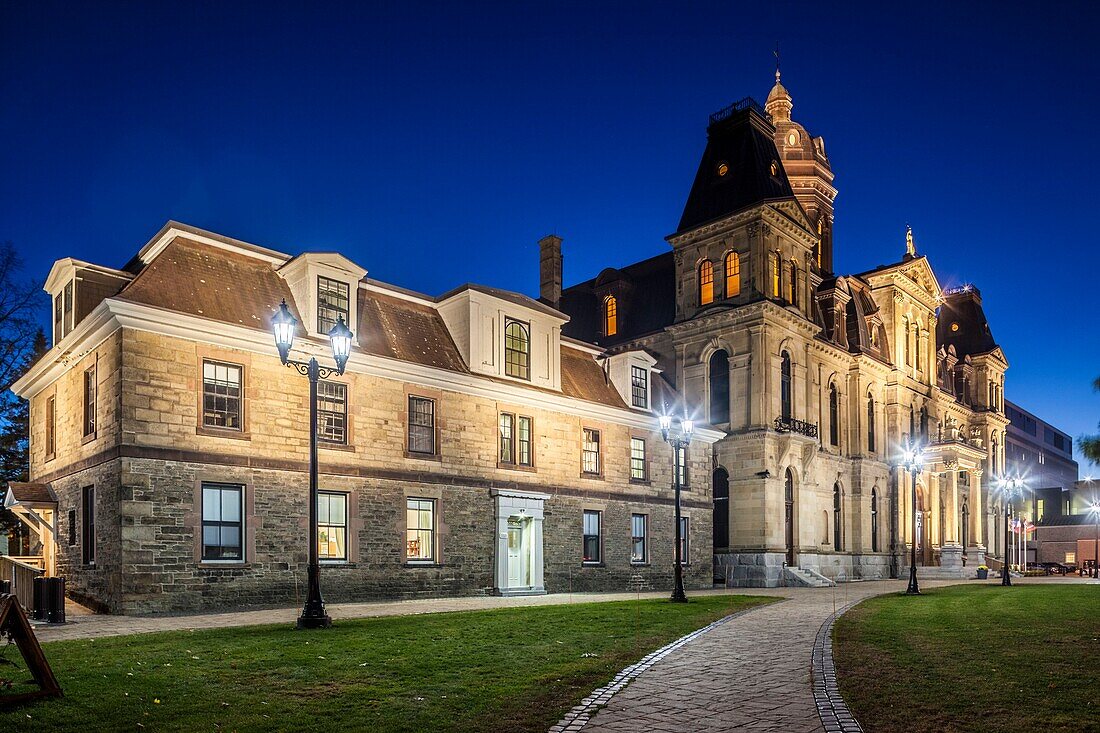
(803, 156)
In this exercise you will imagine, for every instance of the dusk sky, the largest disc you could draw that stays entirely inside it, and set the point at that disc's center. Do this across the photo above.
(436, 143)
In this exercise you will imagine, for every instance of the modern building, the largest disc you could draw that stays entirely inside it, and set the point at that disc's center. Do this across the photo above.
(818, 379)
(470, 447)
(1042, 455)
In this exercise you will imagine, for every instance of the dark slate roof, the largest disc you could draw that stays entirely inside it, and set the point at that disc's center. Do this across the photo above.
(743, 140)
(31, 493)
(964, 307)
(646, 293)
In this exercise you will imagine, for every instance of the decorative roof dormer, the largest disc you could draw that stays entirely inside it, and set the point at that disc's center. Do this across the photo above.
(632, 373)
(77, 287)
(325, 286)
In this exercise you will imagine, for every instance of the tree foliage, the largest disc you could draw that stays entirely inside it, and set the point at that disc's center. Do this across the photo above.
(1090, 444)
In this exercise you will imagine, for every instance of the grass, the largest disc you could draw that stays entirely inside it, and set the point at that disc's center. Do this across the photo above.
(973, 658)
(517, 669)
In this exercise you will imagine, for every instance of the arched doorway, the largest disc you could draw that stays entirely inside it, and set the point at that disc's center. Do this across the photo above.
(788, 514)
(964, 529)
(721, 523)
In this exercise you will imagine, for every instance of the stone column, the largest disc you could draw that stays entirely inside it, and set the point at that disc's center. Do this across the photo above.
(977, 506)
(952, 518)
(760, 366)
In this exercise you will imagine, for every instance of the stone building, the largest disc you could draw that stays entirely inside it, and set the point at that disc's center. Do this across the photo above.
(818, 379)
(470, 447)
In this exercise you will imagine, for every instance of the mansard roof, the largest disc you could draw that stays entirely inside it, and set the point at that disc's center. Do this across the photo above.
(962, 307)
(741, 142)
(646, 293)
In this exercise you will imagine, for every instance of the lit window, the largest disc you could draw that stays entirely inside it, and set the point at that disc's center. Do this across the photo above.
(332, 412)
(590, 451)
(591, 538)
(89, 401)
(733, 274)
(685, 545)
(773, 261)
(517, 350)
(526, 453)
(639, 387)
(421, 425)
(792, 137)
(610, 316)
(222, 522)
(221, 395)
(637, 459)
(63, 312)
(723, 168)
(420, 529)
(706, 282)
(332, 525)
(51, 426)
(639, 552)
(792, 285)
(332, 303)
(775, 168)
(507, 438)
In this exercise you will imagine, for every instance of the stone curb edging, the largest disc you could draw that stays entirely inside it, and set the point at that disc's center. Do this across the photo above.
(579, 716)
(831, 708)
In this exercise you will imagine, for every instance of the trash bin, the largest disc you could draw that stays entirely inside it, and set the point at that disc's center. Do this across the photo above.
(55, 600)
(38, 599)
(5, 587)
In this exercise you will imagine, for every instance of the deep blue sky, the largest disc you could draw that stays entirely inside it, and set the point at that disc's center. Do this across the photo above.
(435, 143)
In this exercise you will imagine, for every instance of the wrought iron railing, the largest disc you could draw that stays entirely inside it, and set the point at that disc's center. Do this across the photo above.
(727, 112)
(790, 425)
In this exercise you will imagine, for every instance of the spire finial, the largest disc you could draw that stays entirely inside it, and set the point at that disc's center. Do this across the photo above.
(776, 52)
(910, 248)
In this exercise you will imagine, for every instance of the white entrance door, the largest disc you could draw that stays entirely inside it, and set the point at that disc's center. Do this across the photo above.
(517, 577)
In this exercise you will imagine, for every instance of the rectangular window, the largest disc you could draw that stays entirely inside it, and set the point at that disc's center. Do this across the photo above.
(88, 515)
(332, 412)
(517, 349)
(639, 387)
(682, 466)
(639, 552)
(332, 303)
(51, 426)
(421, 425)
(72, 527)
(420, 530)
(590, 452)
(1071, 557)
(526, 450)
(592, 536)
(58, 316)
(507, 438)
(89, 401)
(685, 545)
(222, 522)
(221, 395)
(637, 459)
(67, 317)
(332, 525)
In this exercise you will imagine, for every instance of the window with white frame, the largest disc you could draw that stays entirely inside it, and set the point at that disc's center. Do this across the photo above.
(332, 525)
(639, 538)
(332, 412)
(420, 530)
(591, 539)
(637, 459)
(525, 450)
(222, 522)
(517, 349)
(590, 452)
(221, 395)
(639, 387)
(89, 401)
(333, 298)
(507, 429)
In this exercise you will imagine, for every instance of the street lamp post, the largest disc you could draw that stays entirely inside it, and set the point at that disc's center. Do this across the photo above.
(679, 441)
(913, 462)
(1095, 509)
(1010, 489)
(340, 337)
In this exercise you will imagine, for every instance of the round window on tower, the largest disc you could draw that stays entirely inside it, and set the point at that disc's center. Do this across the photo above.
(954, 326)
(792, 137)
(723, 169)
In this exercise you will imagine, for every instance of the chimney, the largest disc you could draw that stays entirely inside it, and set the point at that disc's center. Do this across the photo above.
(550, 270)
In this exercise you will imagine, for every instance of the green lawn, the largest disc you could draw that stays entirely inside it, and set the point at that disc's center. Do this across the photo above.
(974, 658)
(514, 669)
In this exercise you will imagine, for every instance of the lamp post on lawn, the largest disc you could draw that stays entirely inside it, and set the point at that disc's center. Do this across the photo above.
(679, 441)
(284, 326)
(913, 462)
(1011, 488)
(1095, 510)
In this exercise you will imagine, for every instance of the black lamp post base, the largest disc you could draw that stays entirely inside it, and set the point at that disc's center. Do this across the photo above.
(323, 621)
(912, 590)
(678, 596)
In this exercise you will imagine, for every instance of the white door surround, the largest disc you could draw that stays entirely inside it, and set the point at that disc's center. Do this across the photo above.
(518, 560)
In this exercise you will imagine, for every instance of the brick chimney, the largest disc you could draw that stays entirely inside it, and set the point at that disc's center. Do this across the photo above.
(550, 270)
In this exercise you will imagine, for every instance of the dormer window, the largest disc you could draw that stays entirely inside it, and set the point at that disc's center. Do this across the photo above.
(639, 387)
(610, 316)
(63, 312)
(332, 303)
(517, 349)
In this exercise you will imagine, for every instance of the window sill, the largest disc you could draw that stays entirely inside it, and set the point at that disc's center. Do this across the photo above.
(422, 564)
(592, 476)
(424, 456)
(336, 446)
(640, 481)
(222, 433)
(223, 564)
(49, 457)
(638, 564)
(87, 438)
(515, 467)
(336, 563)
(587, 564)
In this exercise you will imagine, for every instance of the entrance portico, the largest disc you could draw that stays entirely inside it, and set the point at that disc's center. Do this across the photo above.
(518, 562)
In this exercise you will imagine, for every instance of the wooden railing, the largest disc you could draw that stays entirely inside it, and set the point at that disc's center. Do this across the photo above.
(22, 571)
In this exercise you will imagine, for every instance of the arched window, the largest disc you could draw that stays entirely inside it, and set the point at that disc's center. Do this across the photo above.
(773, 265)
(908, 341)
(785, 386)
(517, 350)
(720, 528)
(874, 520)
(610, 316)
(733, 274)
(834, 416)
(836, 518)
(788, 514)
(719, 387)
(706, 282)
(924, 424)
(820, 238)
(871, 423)
(964, 530)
